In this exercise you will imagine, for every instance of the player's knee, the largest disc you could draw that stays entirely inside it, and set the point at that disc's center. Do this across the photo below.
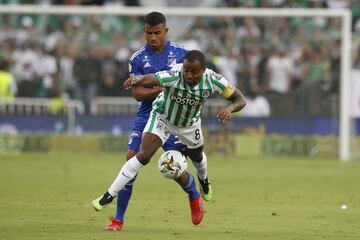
(195, 155)
(144, 157)
(197, 158)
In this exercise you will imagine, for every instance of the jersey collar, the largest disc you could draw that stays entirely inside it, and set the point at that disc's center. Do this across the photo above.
(149, 48)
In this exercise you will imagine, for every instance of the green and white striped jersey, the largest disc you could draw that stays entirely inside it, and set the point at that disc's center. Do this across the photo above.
(180, 103)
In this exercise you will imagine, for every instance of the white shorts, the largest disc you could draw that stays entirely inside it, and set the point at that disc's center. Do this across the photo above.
(190, 136)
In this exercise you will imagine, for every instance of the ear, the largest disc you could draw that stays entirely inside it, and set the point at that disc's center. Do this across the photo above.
(166, 30)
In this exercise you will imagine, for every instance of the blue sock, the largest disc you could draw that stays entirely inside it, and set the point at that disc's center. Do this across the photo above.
(190, 188)
(123, 198)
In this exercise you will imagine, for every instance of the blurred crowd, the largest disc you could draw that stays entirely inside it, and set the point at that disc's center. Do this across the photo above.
(81, 57)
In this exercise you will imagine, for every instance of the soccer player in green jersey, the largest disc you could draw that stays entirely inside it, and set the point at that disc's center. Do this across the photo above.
(177, 111)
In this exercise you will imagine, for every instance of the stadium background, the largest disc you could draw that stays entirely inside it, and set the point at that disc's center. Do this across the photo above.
(69, 69)
(275, 175)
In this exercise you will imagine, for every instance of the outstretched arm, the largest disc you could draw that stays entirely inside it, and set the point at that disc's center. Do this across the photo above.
(141, 80)
(144, 93)
(238, 102)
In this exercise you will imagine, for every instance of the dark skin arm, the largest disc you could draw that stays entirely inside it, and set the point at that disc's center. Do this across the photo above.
(142, 93)
(148, 80)
(238, 102)
(237, 99)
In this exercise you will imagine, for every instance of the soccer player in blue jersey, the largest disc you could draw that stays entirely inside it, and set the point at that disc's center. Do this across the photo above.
(177, 111)
(158, 54)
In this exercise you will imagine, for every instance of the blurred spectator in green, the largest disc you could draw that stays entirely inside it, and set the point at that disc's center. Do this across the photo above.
(318, 68)
(97, 32)
(65, 62)
(8, 88)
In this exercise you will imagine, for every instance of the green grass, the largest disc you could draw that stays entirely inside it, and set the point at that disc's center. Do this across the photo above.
(48, 197)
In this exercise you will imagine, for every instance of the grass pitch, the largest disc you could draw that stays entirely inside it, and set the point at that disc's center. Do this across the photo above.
(48, 196)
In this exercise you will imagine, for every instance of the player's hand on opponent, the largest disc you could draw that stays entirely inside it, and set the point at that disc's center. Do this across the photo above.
(130, 82)
(160, 89)
(223, 114)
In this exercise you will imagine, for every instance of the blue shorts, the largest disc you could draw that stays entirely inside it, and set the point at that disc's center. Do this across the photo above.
(173, 142)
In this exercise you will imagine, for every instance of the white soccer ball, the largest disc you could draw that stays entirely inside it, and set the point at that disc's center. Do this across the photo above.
(343, 207)
(172, 164)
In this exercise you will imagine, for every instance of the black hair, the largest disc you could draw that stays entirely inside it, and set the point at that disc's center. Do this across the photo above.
(154, 18)
(196, 55)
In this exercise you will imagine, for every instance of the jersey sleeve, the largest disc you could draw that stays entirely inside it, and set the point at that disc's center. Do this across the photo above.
(222, 86)
(135, 67)
(167, 78)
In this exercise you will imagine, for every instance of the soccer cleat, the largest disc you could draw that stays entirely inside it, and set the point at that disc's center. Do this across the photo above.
(102, 201)
(114, 226)
(197, 210)
(205, 189)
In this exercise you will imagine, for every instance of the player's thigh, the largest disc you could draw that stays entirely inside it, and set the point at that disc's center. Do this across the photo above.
(150, 143)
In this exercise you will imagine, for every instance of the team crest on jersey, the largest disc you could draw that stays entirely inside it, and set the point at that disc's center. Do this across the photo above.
(171, 73)
(205, 93)
(217, 76)
(171, 62)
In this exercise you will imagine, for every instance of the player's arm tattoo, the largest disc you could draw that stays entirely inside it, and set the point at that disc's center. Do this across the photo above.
(238, 101)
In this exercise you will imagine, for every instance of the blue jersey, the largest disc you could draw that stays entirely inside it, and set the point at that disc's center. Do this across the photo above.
(146, 61)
